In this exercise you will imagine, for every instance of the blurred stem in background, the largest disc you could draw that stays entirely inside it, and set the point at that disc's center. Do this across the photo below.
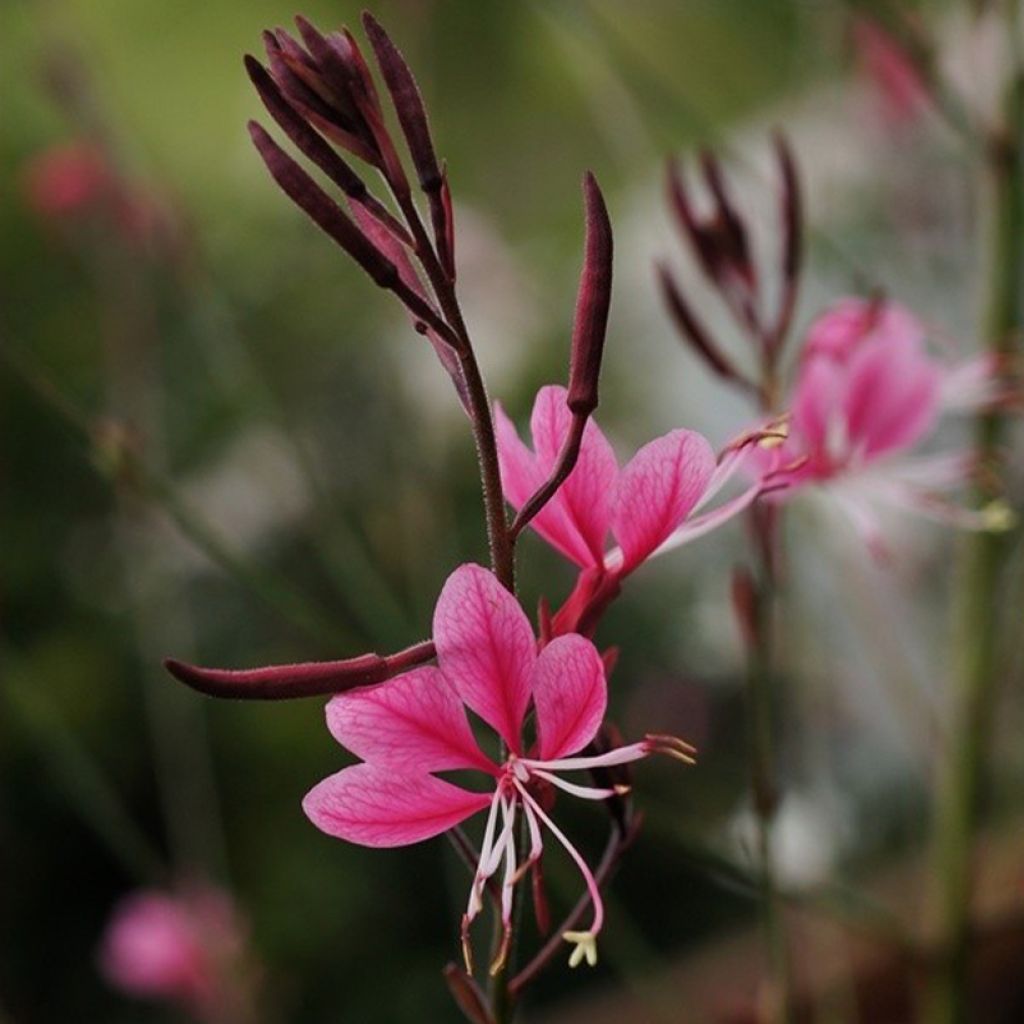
(756, 598)
(976, 653)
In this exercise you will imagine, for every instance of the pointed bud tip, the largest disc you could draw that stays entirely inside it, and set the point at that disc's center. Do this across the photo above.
(593, 301)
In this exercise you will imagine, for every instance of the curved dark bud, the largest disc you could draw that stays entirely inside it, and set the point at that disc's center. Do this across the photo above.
(306, 679)
(467, 995)
(321, 209)
(592, 303)
(327, 215)
(310, 142)
(691, 329)
(405, 95)
(791, 216)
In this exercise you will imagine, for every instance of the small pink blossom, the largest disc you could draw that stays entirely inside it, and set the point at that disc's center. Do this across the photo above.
(174, 947)
(415, 725)
(866, 393)
(650, 505)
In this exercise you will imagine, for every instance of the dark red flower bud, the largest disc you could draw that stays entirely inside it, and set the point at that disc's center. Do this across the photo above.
(791, 216)
(300, 82)
(592, 303)
(298, 130)
(726, 229)
(445, 237)
(327, 215)
(308, 679)
(691, 328)
(405, 95)
(467, 995)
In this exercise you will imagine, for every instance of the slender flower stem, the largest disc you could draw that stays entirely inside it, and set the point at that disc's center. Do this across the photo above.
(563, 467)
(976, 647)
(482, 420)
(761, 685)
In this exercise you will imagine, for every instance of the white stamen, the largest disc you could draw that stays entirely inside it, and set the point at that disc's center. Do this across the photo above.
(621, 755)
(585, 792)
(588, 876)
(476, 889)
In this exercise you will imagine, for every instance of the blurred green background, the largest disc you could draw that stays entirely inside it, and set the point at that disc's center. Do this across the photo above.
(313, 481)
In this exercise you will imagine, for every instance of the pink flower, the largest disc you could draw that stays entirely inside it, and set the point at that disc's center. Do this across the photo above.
(650, 505)
(67, 179)
(173, 947)
(901, 92)
(410, 728)
(866, 392)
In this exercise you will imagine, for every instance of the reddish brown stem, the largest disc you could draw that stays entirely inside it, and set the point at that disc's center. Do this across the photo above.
(308, 679)
(566, 463)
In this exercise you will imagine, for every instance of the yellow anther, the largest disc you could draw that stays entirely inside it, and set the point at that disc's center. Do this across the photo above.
(998, 517)
(586, 948)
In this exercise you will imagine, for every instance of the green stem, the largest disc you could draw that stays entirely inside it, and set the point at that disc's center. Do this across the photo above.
(976, 647)
(761, 680)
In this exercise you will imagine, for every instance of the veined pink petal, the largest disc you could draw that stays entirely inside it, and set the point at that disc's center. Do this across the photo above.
(521, 475)
(708, 521)
(656, 491)
(570, 694)
(376, 806)
(486, 648)
(587, 492)
(412, 723)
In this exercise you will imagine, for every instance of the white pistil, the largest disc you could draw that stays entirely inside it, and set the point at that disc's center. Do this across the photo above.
(586, 946)
(589, 938)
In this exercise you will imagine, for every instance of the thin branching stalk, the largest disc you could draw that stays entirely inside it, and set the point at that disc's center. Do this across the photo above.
(976, 635)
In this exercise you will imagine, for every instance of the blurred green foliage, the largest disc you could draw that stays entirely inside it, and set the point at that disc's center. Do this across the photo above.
(252, 330)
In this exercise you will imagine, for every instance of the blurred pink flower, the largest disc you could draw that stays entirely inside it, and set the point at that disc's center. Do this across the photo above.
(902, 94)
(415, 725)
(67, 179)
(73, 180)
(182, 948)
(867, 391)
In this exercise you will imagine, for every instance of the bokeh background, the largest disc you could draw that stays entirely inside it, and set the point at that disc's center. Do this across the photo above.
(309, 482)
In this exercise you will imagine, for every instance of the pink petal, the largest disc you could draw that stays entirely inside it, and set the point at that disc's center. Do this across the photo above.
(892, 396)
(412, 723)
(708, 521)
(521, 475)
(485, 648)
(570, 693)
(586, 493)
(657, 490)
(376, 806)
(817, 401)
